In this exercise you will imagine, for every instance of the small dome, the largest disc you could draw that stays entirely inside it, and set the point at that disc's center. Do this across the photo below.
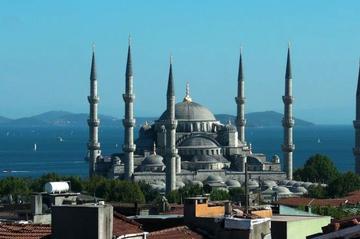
(291, 183)
(180, 184)
(198, 141)
(233, 183)
(284, 182)
(299, 190)
(198, 183)
(298, 184)
(275, 159)
(307, 184)
(252, 184)
(153, 159)
(269, 183)
(281, 190)
(214, 178)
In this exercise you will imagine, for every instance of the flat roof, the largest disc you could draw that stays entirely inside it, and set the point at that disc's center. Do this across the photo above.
(292, 218)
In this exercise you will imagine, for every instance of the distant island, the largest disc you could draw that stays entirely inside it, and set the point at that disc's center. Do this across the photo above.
(68, 119)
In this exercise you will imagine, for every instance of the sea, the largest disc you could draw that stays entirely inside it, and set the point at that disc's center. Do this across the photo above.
(32, 152)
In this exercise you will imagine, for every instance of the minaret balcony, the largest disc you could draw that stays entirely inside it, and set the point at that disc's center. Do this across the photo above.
(241, 122)
(356, 124)
(288, 123)
(240, 100)
(93, 122)
(129, 98)
(288, 99)
(93, 145)
(288, 147)
(93, 99)
(129, 148)
(129, 122)
(170, 124)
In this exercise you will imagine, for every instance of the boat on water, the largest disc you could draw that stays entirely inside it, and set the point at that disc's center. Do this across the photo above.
(318, 141)
(60, 139)
(34, 147)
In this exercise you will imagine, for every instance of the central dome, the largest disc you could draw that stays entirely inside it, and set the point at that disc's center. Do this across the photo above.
(190, 111)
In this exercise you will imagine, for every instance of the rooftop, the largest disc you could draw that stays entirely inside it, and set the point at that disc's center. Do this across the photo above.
(24, 231)
(182, 232)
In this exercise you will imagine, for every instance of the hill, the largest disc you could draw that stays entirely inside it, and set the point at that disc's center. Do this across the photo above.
(263, 119)
(68, 119)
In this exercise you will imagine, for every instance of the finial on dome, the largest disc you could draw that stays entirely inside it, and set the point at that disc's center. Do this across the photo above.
(154, 148)
(187, 97)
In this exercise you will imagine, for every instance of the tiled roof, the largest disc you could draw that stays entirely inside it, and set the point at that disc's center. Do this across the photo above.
(24, 231)
(182, 232)
(337, 225)
(123, 225)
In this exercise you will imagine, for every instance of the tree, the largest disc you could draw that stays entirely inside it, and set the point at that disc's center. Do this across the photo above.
(318, 168)
(236, 194)
(149, 193)
(343, 184)
(219, 195)
(14, 186)
(317, 191)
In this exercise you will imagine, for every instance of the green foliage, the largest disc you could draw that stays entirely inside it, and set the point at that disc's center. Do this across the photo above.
(317, 191)
(344, 184)
(219, 195)
(318, 168)
(335, 212)
(149, 193)
(14, 186)
(236, 194)
(177, 196)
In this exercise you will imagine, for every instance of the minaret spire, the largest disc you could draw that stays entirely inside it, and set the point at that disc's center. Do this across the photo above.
(288, 121)
(129, 121)
(356, 149)
(93, 121)
(240, 102)
(170, 124)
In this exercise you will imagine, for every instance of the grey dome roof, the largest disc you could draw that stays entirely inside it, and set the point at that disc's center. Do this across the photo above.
(214, 178)
(198, 183)
(191, 111)
(198, 141)
(307, 184)
(153, 159)
(282, 190)
(269, 183)
(233, 183)
(299, 190)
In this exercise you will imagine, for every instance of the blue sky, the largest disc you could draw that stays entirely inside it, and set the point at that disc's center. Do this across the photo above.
(45, 49)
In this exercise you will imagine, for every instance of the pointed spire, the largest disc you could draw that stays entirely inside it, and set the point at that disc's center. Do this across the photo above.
(241, 73)
(288, 65)
(358, 84)
(93, 65)
(129, 63)
(170, 89)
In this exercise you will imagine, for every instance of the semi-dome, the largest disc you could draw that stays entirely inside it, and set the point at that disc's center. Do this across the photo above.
(153, 159)
(190, 111)
(269, 183)
(198, 141)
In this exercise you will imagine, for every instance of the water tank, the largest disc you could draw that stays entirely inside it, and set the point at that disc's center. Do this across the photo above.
(57, 187)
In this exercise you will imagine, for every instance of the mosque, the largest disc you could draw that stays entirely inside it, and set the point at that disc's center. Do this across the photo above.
(187, 144)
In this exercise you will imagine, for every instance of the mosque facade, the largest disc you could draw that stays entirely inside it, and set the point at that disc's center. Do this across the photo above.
(187, 144)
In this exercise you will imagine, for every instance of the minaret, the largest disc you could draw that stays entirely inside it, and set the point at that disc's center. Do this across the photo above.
(129, 121)
(93, 121)
(240, 102)
(170, 124)
(288, 120)
(356, 149)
